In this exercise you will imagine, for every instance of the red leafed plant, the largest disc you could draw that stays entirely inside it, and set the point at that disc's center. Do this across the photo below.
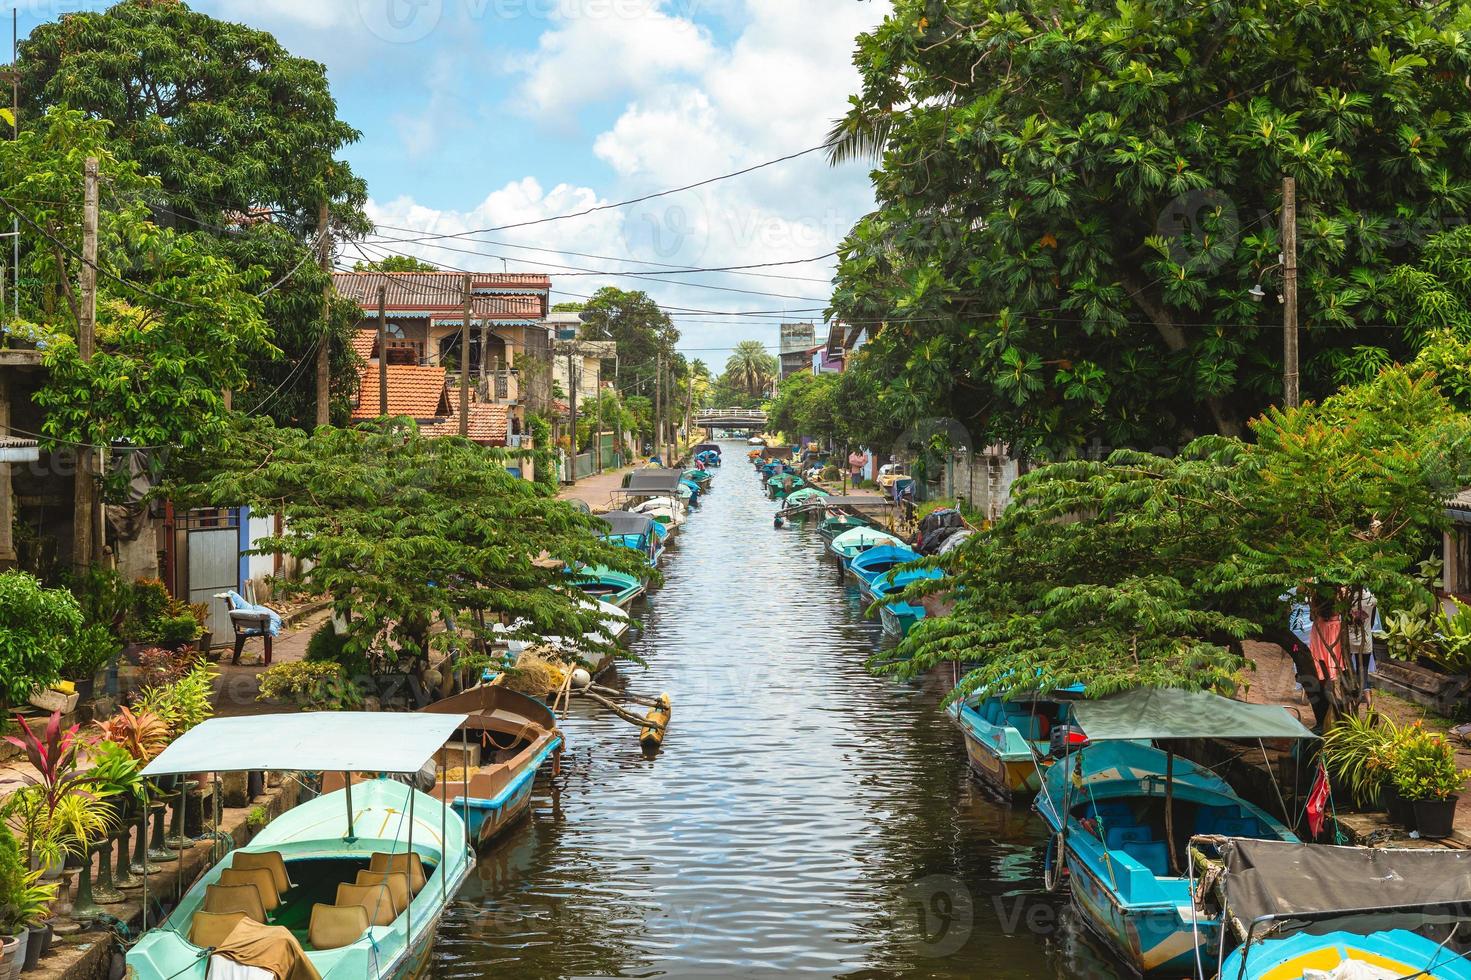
(54, 755)
(143, 734)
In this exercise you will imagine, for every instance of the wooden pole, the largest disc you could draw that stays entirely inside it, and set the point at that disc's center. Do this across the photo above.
(324, 346)
(465, 364)
(658, 406)
(1291, 391)
(84, 497)
(383, 348)
(572, 409)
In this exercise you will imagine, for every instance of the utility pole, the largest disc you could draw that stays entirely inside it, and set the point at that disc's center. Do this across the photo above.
(1291, 391)
(572, 408)
(383, 348)
(15, 135)
(324, 346)
(689, 404)
(84, 500)
(658, 408)
(465, 364)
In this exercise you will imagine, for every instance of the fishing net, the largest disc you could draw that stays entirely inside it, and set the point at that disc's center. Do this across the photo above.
(538, 672)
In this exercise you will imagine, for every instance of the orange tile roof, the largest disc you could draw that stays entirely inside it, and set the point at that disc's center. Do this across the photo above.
(417, 392)
(363, 343)
(488, 424)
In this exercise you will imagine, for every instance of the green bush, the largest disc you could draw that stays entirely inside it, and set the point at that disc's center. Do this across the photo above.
(1424, 766)
(88, 651)
(327, 646)
(35, 626)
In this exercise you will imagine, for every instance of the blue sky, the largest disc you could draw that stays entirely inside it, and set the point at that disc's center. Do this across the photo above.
(477, 113)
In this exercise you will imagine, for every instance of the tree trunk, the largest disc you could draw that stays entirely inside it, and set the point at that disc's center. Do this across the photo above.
(1227, 424)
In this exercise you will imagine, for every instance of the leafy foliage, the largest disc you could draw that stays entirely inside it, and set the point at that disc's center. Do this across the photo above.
(643, 331)
(750, 368)
(408, 533)
(1073, 207)
(36, 626)
(1143, 570)
(395, 263)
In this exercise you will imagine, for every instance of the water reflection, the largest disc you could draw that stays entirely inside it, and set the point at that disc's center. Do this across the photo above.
(805, 817)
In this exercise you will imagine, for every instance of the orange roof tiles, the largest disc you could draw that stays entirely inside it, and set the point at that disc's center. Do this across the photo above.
(417, 392)
(489, 424)
(363, 342)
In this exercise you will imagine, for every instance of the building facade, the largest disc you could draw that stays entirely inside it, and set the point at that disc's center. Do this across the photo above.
(797, 341)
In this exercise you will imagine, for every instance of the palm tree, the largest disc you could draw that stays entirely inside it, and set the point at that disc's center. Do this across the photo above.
(751, 366)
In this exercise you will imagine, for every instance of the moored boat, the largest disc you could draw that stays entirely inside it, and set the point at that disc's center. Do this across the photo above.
(851, 543)
(506, 739)
(608, 585)
(835, 525)
(897, 615)
(350, 884)
(634, 531)
(877, 561)
(1314, 910)
(1123, 814)
(1007, 742)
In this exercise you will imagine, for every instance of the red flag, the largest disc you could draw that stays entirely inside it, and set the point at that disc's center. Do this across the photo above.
(1317, 806)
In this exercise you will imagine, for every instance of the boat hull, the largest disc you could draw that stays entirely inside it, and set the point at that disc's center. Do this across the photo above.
(1393, 952)
(899, 621)
(488, 818)
(1150, 939)
(1010, 777)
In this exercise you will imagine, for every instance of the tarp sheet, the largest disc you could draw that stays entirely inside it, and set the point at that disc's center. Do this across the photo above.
(1279, 878)
(312, 741)
(1149, 713)
(626, 522)
(271, 948)
(653, 480)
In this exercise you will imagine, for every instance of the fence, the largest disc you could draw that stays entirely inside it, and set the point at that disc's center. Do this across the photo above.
(982, 480)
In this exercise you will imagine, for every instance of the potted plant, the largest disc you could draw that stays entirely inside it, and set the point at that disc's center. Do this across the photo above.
(1355, 749)
(1425, 774)
(85, 653)
(24, 902)
(58, 815)
(206, 636)
(34, 625)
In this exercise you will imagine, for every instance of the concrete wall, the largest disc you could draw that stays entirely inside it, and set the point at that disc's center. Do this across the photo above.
(982, 480)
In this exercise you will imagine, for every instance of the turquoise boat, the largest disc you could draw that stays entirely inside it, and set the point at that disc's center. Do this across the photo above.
(506, 740)
(835, 525)
(1123, 815)
(700, 477)
(602, 582)
(1007, 742)
(898, 616)
(354, 881)
(782, 484)
(637, 531)
(1292, 911)
(867, 567)
(852, 543)
(805, 495)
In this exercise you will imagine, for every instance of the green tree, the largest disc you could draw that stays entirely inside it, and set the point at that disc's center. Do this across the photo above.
(751, 368)
(1145, 570)
(805, 405)
(243, 138)
(1073, 208)
(176, 324)
(644, 333)
(395, 263)
(408, 534)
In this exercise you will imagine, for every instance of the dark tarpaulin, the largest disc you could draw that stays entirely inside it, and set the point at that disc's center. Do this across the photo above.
(1266, 877)
(656, 481)
(623, 522)
(1152, 713)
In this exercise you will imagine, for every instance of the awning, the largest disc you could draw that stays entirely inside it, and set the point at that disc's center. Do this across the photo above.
(1149, 713)
(1283, 879)
(624, 522)
(312, 741)
(654, 480)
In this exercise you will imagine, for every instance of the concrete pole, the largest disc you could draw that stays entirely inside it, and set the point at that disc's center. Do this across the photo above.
(1291, 389)
(324, 347)
(84, 495)
(465, 364)
(383, 348)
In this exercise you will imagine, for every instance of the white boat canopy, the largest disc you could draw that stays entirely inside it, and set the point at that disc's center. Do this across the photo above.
(312, 741)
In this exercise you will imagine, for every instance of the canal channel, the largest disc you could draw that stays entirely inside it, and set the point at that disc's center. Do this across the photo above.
(804, 816)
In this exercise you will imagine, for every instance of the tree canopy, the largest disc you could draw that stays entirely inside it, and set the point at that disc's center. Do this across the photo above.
(642, 330)
(397, 263)
(1073, 207)
(1146, 570)
(751, 368)
(409, 534)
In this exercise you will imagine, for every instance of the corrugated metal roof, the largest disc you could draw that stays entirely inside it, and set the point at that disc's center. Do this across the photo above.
(495, 296)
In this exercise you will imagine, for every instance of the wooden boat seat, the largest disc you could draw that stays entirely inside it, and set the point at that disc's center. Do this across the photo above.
(208, 929)
(260, 879)
(376, 900)
(235, 898)
(335, 926)
(404, 863)
(397, 882)
(270, 860)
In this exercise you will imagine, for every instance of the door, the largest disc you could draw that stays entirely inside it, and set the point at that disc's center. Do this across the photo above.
(214, 567)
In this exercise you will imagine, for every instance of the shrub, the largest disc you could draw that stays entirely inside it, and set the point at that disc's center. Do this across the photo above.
(309, 685)
(88, 652)
(35, 623)
(328, 646)
(1423, 766)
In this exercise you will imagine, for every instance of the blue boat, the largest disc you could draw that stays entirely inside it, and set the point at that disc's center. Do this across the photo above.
(602, 582)
(867, 567)
(709, 457)
(1301, 910)
(1123, 814)
(898, 616)
(853, 542)
(690, 491)
(636, 531)
(1007, 742)
(507, 738)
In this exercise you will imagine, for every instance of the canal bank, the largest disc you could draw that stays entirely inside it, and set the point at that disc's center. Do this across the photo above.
(804, 817)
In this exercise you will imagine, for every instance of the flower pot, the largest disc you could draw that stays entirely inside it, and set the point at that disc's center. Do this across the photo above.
(47, 934)
(17, 961)
(9, 946)
(85, 688)
(206, 644)
(1435, 818)
(1399, 809)
(35, 945)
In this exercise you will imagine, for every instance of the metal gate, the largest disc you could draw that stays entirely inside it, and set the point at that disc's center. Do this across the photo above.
(212, 550)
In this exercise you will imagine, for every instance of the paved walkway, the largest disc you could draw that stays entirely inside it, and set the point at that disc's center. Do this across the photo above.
(597, 490)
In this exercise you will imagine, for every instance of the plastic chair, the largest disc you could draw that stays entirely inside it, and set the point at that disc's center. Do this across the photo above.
(377, 900)
(408, 863)
(270, 860)
(235, 898)
(335, 926)
(397, 882)
(1152, 854)
(258, 878)
(208, 929)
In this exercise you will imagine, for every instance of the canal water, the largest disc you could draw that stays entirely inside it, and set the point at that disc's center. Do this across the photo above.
(804, 817)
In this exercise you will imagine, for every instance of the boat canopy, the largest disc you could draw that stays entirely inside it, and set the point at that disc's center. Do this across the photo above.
(1286, 880)
(625, 522)
(652, 481)
(864, 537)
(312, 741)
(1150, 713)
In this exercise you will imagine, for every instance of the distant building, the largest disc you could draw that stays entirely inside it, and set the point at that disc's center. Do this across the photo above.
(797, 340)
(572, 353)
(832, 356)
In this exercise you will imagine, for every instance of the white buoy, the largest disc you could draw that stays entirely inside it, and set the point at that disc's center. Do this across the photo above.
(581, 678)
